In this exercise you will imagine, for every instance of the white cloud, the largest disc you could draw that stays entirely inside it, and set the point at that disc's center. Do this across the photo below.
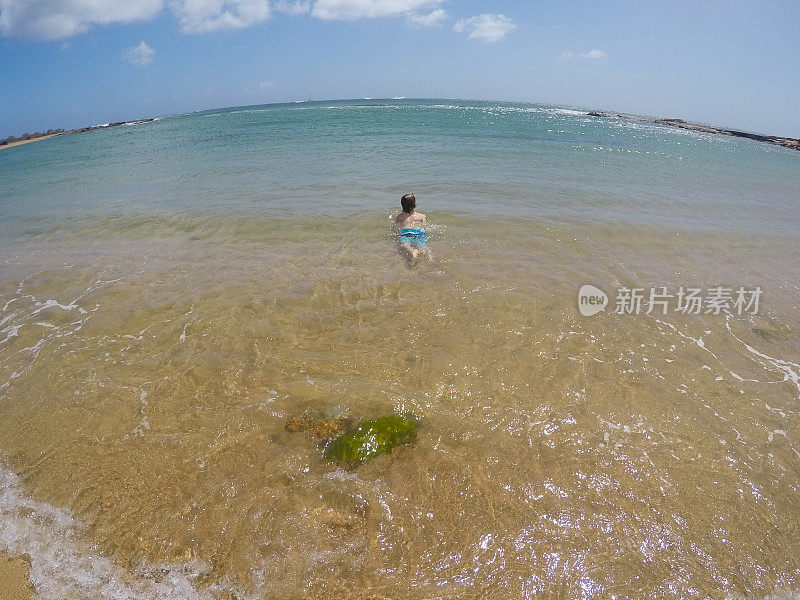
(485, 27)
(292, 7)
(349, 10)
(59, 19)
(265, 85)
(139, 56)
(431, 19)
(201, 16)
(591, 55)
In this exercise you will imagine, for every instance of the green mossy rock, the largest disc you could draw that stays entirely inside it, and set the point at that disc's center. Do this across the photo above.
(373, 438)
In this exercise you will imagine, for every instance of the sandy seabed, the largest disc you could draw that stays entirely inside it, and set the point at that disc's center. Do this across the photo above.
(14, 584)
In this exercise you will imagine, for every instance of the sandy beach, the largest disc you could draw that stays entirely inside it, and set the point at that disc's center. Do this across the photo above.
(14, 584)
(20, 142)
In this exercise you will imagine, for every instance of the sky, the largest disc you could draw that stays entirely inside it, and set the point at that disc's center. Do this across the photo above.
(71, 63)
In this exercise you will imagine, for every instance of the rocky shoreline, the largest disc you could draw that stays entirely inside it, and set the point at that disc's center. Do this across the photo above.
(114, 124)
(792, 143)
(32, 137)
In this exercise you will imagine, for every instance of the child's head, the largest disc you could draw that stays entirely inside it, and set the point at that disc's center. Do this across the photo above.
(408, 202)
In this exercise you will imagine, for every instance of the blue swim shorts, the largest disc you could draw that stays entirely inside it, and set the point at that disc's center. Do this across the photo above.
(415, 237)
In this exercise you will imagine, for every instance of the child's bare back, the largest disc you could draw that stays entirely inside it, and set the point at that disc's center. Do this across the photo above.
(410, 220)
(412, 240)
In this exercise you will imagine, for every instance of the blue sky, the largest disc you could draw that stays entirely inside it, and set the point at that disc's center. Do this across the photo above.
(68, 63)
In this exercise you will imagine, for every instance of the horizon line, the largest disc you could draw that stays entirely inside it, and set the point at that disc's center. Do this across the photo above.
(412, 98)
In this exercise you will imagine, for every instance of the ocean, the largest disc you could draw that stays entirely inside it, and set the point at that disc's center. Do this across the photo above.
(173, 293)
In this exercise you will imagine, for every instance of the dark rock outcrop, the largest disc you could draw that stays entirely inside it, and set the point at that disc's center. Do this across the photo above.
(114, 124)
(792, 143)
(769, 139)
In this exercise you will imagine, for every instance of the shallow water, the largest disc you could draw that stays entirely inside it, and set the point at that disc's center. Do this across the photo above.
(172, 293)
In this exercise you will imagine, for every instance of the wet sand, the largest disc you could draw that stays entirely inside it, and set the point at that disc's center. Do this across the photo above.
(616, 445)
(14, 584)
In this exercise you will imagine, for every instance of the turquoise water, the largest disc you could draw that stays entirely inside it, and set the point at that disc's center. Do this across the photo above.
(531, 161)
(174, 293)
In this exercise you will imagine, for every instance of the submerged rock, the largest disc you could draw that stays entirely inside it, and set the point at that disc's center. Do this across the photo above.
(316, 426)
(373, 438)
(335, 519)
(773, 334)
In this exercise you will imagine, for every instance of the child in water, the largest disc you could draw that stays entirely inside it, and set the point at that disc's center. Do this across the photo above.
(412, 240)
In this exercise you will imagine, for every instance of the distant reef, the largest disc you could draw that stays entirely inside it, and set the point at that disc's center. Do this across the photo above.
(29, 137)
(681, 124)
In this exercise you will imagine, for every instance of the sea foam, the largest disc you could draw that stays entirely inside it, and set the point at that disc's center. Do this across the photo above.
(62, 564)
